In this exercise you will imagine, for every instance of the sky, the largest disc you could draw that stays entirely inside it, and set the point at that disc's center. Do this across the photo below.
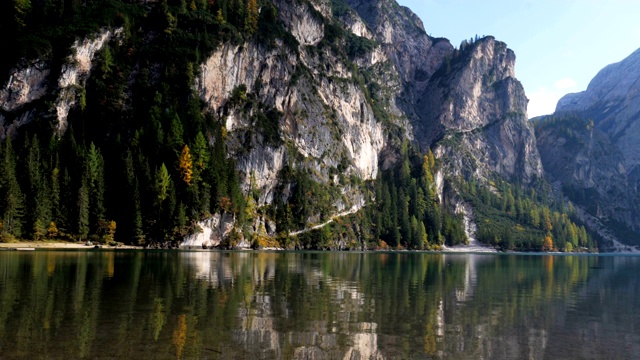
(560, 45)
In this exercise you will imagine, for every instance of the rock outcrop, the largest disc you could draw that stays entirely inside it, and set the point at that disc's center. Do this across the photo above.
(474, 111)
(74, 74)
(612, 100)
(466, 104)
(27, 85)
(24, 86)
(469, 98)
(599, 159)
(330, 96)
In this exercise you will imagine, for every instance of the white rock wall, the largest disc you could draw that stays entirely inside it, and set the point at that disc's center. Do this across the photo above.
(75, 73)
(24, 86)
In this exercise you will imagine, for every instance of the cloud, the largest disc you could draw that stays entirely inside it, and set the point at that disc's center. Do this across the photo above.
(565, 84)
(542, 102)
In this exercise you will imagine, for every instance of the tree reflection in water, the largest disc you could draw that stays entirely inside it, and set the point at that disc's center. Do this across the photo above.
(196, 305)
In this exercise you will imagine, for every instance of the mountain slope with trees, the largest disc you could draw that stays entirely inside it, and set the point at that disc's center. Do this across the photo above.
(239, 123)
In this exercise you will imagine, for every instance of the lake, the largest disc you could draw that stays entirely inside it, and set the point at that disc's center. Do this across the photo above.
(310, 305)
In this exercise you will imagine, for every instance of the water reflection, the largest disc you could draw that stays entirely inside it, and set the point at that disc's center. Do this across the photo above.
(197, 305)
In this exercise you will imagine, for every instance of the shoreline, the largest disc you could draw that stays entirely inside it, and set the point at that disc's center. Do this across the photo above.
(62, 245)
(464, 249)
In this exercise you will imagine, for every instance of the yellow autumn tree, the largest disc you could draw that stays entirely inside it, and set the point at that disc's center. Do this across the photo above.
(548, 244)
(180, 335)
(251, 19)
(111, 231)
(52, 230)
(185, 165)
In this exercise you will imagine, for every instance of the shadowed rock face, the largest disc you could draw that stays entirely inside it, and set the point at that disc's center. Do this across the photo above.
(591, 170)
(612, 100)
(606, 161)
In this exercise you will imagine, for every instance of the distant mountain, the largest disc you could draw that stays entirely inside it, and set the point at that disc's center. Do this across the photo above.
(592, 146)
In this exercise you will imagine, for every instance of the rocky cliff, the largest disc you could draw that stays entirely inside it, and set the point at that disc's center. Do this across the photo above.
(466, 103)
(19, 97)
(591, 146)
(474, 110)
(611, 100)
(309, 111)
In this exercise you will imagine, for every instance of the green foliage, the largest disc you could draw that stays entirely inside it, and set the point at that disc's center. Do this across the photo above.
(163, 182)
(359, 46)
(268, 125)
(121, 152)
(83, 211)
(119, 160)
(514, 219)
(340, 8)
(12, 204)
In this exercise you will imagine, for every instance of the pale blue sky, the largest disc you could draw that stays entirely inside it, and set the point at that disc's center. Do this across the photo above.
(560, 45)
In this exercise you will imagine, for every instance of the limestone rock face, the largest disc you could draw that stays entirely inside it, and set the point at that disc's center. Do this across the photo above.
(467, 105)
(475, 111)
(29, 84)
(304, 26)
(604, 166)
(75, 73)
(415, 55)
(591, 170)
(24, 86)
(344, 84)
(327, 121)
(612, 100)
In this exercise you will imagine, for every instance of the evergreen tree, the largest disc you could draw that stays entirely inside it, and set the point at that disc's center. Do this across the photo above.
(38, 201)
(22, 10)
(175, 137)
(83, 210)
(106, 62)
(163, 183)
(12, 204)
(95, 171)
(251, 17)
(200, 156)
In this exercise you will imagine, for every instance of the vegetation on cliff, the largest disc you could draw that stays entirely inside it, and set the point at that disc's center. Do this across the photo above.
(141, 162)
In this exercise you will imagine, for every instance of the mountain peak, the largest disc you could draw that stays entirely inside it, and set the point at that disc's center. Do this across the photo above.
(613, 83)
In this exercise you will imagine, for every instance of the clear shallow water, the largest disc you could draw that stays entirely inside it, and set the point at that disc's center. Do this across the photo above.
(210, 305)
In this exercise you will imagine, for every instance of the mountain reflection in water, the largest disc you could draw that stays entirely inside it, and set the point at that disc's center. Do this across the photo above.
(204, 305)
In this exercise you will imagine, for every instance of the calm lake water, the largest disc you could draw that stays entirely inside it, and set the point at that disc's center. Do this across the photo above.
(252, 305)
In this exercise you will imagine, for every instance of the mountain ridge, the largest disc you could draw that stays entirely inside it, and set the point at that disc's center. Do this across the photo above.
(251, 121)
(600, 163)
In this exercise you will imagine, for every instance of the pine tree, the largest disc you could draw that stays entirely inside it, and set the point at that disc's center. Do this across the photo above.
(38, 201)
(95, 175)
(83, 210)
(200, 155)
(163, 182)
(52, 230)
(175, 137)
(416, 240)
(251, 17)
(107, 62)
(55, 194)
(12, 204)
(22, 9)
(422, 232)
